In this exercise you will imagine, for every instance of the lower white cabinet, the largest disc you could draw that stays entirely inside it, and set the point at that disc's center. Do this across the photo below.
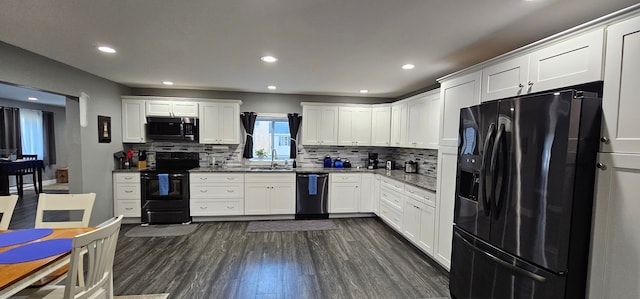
(344, 192)
(270, 194)
(391, 204)
(366, 193)
(216, 194)
(615, 241)
(445, 201)
(376, 194)
(419, 224)
(126, 193)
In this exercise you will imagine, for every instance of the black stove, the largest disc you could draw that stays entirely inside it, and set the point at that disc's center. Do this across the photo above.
(165, 189)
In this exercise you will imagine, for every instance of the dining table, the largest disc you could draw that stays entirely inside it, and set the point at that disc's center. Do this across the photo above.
(18, 276)
(8, 167)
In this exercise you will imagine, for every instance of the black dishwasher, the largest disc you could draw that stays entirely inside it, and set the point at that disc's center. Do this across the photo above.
(312, 193)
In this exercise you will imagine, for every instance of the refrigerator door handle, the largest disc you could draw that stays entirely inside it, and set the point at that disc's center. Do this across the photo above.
(497, 260)
(498, 175)
(486, 200)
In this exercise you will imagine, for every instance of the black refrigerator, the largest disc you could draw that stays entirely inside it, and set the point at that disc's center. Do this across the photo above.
(524, 192)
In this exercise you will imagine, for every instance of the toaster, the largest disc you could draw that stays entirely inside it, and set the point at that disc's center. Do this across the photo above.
(411, 166)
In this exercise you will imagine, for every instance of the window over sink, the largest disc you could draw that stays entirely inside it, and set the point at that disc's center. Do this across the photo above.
(271, 131)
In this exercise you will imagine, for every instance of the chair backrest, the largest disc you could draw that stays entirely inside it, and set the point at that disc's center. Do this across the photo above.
(64, 202)
(7, 204)
(27, 170)
(99, 246)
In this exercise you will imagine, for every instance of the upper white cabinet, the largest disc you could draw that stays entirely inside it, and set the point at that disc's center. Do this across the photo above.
(423, 120)
(133, 121)
(456, 93)
(319, 124)
(381, 125)
(620, 103)
(172, 108)
(399, 124)
(354, 125)
(614, 264)
(219, 123)
(570, 62)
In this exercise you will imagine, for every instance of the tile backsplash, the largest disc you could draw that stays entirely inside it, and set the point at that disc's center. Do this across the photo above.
(308, 156)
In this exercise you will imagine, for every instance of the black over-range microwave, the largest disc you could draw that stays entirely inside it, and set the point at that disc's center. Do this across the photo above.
(172, 128)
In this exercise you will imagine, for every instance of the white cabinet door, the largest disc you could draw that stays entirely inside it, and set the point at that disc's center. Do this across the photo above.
(159, 108)
(398, 124)
(133, 121)
(229, 123)
(445, 198)
(346, 118)
(574, 61)
(614, 265)
(417, 122)
(185, 109)
(432, 128)
(505, 79)
(411, 220)
(427, 229)
(361, 129)
(209, 124)
(319, 125)
(366, 193)
(282, 198)
(381, 125)
(376, 194)
(344, 197)
(457, 93)
(620, 103)
(256, 198)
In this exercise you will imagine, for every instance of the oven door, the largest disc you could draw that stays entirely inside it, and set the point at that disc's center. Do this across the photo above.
(178, 187)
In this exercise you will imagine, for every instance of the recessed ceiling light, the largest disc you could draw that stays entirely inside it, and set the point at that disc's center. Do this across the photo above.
(106, 49)
(268, 59)
(32, 98)
(408, 66)
(167, 82)
(364, 90)
(272, 87)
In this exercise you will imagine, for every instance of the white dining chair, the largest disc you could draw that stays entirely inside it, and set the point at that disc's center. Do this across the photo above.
(7, 205)
(64, 202)
(99, 246)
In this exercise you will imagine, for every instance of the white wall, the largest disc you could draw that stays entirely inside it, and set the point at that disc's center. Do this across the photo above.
(90, 162)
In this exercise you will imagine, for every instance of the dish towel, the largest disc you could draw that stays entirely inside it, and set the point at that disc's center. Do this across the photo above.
(163, 183)
(313, 184)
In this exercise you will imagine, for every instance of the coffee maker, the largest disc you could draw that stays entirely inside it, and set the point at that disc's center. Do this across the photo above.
(372, 162)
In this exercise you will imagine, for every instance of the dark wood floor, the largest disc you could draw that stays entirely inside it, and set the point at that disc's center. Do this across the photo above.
(363, 258)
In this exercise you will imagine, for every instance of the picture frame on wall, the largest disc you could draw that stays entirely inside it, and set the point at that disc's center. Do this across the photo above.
(104, 129)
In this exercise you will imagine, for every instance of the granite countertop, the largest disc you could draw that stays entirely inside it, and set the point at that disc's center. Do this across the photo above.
(418, 180)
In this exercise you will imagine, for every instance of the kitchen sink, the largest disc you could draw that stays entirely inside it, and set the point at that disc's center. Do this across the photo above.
(268, 169)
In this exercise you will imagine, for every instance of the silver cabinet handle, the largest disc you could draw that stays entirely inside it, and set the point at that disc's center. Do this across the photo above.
(204, 179)
(530, 83)
(520, 85)
(604, 140)
(601, 166)
(128, 209)
(230, 190)
(204, 190)
(230, 207)
(128, 178)
(128, 191)
(230, 178)
(203, 208)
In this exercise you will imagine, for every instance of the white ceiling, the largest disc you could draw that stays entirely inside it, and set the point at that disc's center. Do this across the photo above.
(19, 93)
(333, 47)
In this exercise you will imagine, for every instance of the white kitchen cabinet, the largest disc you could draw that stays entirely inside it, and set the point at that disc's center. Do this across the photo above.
(391, 207)
(456, 93)
(614, 264)
(570, 62)
(133, 121)
(219, 123)
(172, 108)
(423, 120)
(126, 193)
(445, 200)
(270, 194)
(620, 104)
(411, 217)
(354, 125)
(376, 194)
(344, 192)
(319, 124)
(381, 125)
(418, 224)
(505, 79)
(426, 237)
(399, 124)
(366, 193)
(216, 194)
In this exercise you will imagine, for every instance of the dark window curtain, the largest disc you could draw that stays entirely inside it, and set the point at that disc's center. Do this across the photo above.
(294, 125)
(10, 129)
(49, 140)
(248, 121)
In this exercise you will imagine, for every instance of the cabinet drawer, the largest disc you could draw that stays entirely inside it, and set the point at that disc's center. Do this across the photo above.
(127, 177)
(391, 216)
(128, 208)
(127, 191)
(270, 178)
(345, 177)
(216, 208)
(419, 194)
(196, 178)
(216, 191)
(392, 199)
(392, 184)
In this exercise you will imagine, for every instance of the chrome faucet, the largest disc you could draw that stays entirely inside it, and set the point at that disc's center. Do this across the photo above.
(274, 153)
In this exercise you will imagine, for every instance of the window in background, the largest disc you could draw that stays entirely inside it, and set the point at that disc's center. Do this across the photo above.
(31, 132)
(270, 132)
